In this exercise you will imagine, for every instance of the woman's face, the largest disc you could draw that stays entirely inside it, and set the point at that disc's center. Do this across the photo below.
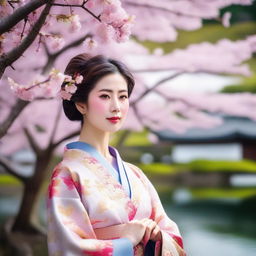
(108, 103)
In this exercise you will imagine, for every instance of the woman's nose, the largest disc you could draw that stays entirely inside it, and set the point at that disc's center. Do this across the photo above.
(115, 106)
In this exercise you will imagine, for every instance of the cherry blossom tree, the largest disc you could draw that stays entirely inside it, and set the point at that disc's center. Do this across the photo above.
(42, 29)
(36, 43)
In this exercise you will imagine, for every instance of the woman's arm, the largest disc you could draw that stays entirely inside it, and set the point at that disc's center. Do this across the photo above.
(170, 238)
(70, 230)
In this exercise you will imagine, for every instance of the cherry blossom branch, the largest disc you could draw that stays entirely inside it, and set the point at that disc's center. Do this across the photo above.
(13, 55)
(15, 111)
(80, 6)
(156, 85)
(9, 167)
(169, 98)
(10, 21)
(160, 9)
(53, 56)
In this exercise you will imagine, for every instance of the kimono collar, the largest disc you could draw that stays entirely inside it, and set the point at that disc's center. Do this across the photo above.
(120, 174)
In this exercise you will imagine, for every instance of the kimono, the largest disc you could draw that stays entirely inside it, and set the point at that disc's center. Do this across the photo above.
(89, 200)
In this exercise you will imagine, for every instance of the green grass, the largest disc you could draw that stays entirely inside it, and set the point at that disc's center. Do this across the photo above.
(133, 139)
(157, 169)
(199, 166)
(247, 84)
(221, 166)
(8, 180)
(201, 193)
(138, 139)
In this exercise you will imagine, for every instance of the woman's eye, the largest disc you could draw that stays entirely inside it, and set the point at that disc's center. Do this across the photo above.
(104, 96)
(123, 97)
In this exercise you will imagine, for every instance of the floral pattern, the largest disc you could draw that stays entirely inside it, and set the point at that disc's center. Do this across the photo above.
(83, 196)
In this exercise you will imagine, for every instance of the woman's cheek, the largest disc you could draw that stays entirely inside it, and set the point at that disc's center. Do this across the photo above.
(98, 105)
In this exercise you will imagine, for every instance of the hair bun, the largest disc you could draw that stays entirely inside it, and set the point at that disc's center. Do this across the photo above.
(71, 111)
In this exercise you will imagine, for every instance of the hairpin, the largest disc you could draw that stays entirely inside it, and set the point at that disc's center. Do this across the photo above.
(70, 87)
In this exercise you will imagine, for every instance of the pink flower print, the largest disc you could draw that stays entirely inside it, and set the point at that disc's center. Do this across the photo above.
(56, 172)
(131, 210)
(106, 251)
(178, 239)
(52, 188)
(54, 182)
(78, 187)
(153, 213)
(92, 160)
(69, 182)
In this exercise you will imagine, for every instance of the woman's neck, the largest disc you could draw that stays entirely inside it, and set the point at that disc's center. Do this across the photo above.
(96, 138)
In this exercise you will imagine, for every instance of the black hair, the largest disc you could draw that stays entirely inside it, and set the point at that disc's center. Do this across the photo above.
(92, 68)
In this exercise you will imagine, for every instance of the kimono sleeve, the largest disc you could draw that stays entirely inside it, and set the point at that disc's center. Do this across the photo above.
(171, 239)
(70, 230)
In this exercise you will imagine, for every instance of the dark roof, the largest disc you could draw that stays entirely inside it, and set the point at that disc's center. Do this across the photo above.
(233, 129)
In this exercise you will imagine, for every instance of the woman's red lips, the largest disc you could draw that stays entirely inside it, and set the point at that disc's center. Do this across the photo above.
(114, 119)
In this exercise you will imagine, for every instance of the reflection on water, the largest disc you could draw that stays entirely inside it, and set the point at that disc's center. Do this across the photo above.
(215, 228)
(8, 207)
(209, 227)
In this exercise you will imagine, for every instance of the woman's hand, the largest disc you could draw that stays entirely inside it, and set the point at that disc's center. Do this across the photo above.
(134, 231)
(156, 234)
(152, 231)
(142, 231)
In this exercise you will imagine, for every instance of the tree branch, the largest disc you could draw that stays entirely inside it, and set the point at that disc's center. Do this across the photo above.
(169, 98)
(81, 6)
(9, 167)
(161, 9)
(155, 86)
(54, 56)
(56, 122)
(32, 142)
(71, 135)
(10, 21)
(10, 57)
(15, 111)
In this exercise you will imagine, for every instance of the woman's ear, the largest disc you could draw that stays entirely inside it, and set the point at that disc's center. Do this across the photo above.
(81, 107)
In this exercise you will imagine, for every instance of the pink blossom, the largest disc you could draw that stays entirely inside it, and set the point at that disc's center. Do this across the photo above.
(68, 78)
(105, 33)
(153, 138)
(65, 95)
(90, 44)
(226, 19)
(57, 42)
(79, 79)
(57, 76)
(75, 23)
(70, 88)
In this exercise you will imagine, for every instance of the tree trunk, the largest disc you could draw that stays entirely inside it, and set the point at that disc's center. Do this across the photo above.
(30, 194)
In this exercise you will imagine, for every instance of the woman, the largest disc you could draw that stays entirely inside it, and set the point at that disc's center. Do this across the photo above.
(97, 203)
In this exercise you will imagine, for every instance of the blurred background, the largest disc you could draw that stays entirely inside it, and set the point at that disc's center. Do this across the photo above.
(191, 129)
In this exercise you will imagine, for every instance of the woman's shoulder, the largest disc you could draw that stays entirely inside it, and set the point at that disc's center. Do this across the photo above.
(138, 172)
(60, 169)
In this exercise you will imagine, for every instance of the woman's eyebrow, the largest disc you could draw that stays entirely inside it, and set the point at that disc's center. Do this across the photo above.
(111, 91)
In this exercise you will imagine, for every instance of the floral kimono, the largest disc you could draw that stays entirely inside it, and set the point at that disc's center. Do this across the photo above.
(89, 200)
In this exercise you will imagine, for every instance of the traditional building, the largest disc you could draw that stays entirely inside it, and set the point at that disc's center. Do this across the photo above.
(235, 139)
